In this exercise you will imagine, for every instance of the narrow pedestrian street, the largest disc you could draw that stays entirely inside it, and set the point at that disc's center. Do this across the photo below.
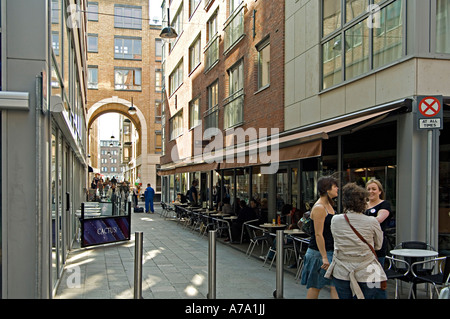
(175, 266)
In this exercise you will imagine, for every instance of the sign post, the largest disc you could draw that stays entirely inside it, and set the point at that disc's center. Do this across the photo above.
(430, 118)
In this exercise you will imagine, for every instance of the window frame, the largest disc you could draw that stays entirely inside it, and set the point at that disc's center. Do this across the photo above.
(118, 17)
(134, 70)
(338, 36)
(134, 41)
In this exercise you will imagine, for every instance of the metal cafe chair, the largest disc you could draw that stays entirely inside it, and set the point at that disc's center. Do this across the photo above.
(440, 278)
(396, 272)
(257, 236)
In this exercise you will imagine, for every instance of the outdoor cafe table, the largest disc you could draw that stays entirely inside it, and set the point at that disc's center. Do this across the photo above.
(414, 255)
(220, 215)
(273, 226)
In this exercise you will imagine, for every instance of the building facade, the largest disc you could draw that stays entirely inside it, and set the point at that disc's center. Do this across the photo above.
(355, 75)
(224, 80)
(43, 141)
(357, 72)
(110, 159)
(124, 70)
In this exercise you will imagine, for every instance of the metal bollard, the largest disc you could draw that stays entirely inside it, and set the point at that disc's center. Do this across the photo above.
(212, 265)
(280, 259)
(138, 265)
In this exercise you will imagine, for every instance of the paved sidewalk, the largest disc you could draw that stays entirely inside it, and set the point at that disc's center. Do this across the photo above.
(175, 265)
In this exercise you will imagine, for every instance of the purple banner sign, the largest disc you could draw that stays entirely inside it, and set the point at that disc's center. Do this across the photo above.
(97, 231)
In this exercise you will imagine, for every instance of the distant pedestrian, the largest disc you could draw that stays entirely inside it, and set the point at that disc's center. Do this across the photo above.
(149, 194)
(193, 193)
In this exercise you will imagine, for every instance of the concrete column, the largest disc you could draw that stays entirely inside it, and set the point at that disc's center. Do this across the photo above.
(411, 218)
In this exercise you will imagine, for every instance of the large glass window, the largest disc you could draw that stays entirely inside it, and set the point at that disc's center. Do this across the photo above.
(129, 17)
(127, 79)
(368, 40)
(442, 26)
(128, 48)
(388, 39)
(357, 50)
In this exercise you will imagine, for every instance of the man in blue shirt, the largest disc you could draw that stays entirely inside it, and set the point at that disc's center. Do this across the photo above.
(149, 194)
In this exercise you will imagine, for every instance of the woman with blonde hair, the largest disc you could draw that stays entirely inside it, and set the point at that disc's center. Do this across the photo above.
(379, 208)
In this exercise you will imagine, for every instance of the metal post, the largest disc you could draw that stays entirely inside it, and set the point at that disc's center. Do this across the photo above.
(280, 259)
(212, 265)
(429, 188)
(138, 265)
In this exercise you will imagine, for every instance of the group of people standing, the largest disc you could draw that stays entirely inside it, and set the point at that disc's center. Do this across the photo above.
(341, 250)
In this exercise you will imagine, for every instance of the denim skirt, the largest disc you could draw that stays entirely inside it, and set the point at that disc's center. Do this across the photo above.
(312, 274)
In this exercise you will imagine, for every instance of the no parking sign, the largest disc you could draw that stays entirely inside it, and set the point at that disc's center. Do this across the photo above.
(430, 115)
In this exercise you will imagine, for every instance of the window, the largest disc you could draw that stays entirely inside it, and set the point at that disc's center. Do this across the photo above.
(92, 11)
(212, 47)
(92, 42)
(234, 104)
(194, 113)
(234, 4)
(158, 105)
(193, 4)
(263, 64)
(176, 78)
(127, 48)
(127, 79)
(442, 26)
(55, 42)
(195, 51)
(55, 11)
(158, 80)
(177, 22)
(158, 49)
(364, 42)
(213, 95)
(158, 141)
(92, 77)
(212, 113)
(176, 125)
(234, 26)
(129, 17)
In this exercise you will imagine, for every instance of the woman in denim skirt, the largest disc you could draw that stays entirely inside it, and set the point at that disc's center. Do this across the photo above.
(320, 250)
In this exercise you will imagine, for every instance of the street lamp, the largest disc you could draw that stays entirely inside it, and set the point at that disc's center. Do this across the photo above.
(132, 110)
(168, 32)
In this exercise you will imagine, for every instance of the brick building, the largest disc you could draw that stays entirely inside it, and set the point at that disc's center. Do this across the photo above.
(225, 71)
(124, 69)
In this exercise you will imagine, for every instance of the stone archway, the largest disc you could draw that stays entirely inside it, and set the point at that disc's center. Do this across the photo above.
(118, 105)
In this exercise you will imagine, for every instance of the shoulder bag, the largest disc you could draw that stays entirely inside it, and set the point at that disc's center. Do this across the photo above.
(383, 284)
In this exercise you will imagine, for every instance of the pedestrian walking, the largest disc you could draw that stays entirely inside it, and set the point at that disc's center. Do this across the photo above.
(149, 194)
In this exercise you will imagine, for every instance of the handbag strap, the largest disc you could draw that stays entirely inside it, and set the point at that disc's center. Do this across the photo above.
(360, 236)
